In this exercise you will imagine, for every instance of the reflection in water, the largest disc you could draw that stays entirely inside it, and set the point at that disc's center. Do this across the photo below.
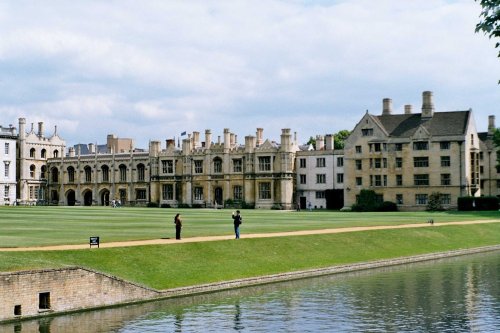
(450, 295)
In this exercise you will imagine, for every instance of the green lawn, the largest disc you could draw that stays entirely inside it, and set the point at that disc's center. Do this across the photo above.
(35, 226)
(175, 265)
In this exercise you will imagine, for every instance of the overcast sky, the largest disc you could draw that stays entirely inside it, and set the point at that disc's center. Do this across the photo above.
(149, 70)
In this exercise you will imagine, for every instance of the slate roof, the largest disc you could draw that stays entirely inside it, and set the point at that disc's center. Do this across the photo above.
(486, 141)
(441, 124)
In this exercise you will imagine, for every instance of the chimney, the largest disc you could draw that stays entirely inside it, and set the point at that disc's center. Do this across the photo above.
(491, 125)
(408, 109)
(208, 139)
(22, 130)
(71, 152)
(427, 105)
(387, 106)
(233, 140)
(259, 136)
(196, 139)
(91, 148)
(250, 143)
(227, 138)
(40, 129)
(286, 139)
(155, 147)
(320, 142)
(329, 142)
(170, 143)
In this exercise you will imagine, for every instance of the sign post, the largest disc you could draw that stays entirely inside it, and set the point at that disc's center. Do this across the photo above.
(94, 240)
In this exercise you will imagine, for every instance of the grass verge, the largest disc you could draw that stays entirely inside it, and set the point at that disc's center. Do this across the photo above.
(169, 266)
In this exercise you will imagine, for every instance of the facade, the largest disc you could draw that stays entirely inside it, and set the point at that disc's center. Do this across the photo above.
(204, 174)
(488, 165)
(320, 175)
(8, 140)
(33, 151)
(406, 157)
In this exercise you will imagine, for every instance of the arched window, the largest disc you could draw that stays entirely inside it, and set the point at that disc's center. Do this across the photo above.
(217, 165)
(123, 172)
(32, 171)
(43, 153)
(55, 175)
(141, 171)
(105, 173)
(43, 172)
(88, 174)
(56, 153)
(71, 174)
(32, 152)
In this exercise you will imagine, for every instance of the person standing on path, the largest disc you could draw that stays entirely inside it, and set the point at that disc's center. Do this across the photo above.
(237, 221)
(178, 226)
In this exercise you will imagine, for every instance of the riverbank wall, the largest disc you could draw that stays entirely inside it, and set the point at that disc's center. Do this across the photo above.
(37, 293)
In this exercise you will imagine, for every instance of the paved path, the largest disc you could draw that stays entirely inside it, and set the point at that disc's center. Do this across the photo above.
(227, 237)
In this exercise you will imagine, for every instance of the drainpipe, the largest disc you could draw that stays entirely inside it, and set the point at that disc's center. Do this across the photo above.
(460, 159)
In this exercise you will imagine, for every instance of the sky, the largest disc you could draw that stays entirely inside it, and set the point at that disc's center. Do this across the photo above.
(152, 69)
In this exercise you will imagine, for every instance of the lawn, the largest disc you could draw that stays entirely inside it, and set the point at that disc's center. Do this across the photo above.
(36, 226)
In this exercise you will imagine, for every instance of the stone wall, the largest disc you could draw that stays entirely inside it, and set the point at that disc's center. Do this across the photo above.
(33, 293)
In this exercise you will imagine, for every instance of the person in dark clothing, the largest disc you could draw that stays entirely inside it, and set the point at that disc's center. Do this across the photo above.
(178, 226)
(237, 221)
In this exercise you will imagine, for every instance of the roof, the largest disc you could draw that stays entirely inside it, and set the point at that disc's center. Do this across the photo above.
(442, 123)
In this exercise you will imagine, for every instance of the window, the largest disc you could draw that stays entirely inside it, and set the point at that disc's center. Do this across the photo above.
(321, 179)
(378, 163)
(445, 199)
(88, 173)
(6, 192)
(472, 139)
(399, 199)
(377, 147)
(421, 199)
(303, 179)
(167, 192)
(421, 145)
(359, 181)
(384, 163)
(399, 162)
(123, 173)
(265, 190)
(358, 150)
(359, 164)
(141, 194)
(32, 152)
(105, 173)
(55, 154)
(217, 165)
(340, 161)
(320, 162)
(481, 156)
(367, 131)
(420, 162)
(6, 148)
(302, 163)
(198, 166)
(399, 180)
(444, 145)
(71, 174)
(340, 178)
(398, 146)
(445, 161)
(481, 169)
(265, 163)
(378, 180)
(32, 171)
(422, 179)
(445, 179)
(320, 194)
(43, 171)
(43, 153)
(237, 165)
(198, 193)
(55, 175)
(237, 192)
(167, 166)
(498, 183)
(385, 180)
(6, 170)
(44, 301)
(141, 172)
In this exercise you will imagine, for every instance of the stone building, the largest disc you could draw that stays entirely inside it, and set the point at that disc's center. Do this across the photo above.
(34, 148)
(8, 144)
(488, 165)
(406, 157)
(320, 175)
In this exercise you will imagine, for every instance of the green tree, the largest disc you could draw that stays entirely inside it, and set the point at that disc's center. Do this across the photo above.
(339, 138)
(489, 22)
(312, 141)
(434, 203)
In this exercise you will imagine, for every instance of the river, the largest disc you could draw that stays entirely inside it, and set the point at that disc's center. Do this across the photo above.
(460, 294)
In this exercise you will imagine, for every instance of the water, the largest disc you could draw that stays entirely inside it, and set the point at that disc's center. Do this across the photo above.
(451, 295)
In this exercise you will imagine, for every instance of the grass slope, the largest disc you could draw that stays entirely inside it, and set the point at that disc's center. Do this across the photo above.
(169, 266)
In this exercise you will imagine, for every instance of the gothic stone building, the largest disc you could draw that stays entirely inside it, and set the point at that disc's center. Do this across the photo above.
(8, 144)
(406, 157)
(488, 165)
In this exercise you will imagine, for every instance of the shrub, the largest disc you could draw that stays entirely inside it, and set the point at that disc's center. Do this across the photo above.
(152, 204)
(165, 205)
(478, 203)
(183, 205)
(434, 203)
(388, 206)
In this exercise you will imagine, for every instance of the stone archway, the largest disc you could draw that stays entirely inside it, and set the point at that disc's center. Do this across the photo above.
(71, 198)
(104, 197)
(218, 197)
(87, 198)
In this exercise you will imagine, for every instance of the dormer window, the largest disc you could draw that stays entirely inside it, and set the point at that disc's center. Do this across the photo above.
(367, 131)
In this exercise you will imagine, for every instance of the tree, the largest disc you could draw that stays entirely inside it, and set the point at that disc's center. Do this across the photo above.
(339, 138)
(312, 141)
(496, 140)
(490, 20)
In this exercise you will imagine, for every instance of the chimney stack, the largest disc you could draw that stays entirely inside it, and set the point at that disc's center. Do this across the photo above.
(208, 138)
(408, 109)
(427, 105)
(387, 106)
(259, 136)
(40, 129)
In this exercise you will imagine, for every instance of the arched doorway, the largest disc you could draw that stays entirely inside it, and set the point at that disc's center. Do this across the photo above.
(87, 198)
(105, 197)
(70, 197)
(218, 196)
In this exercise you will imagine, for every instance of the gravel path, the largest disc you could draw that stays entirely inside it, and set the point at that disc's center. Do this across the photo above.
(228, 237)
